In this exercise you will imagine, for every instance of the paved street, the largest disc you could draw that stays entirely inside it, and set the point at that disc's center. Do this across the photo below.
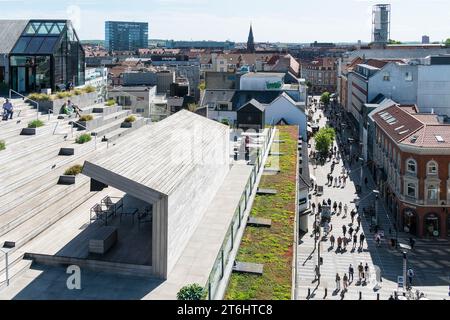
(430, 260)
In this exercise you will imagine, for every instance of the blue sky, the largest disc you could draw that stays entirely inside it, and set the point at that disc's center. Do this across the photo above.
(273, 20)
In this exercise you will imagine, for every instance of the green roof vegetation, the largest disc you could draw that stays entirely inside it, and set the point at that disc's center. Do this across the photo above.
(273, 246)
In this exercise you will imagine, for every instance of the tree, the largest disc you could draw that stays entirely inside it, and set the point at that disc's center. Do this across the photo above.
(325, 98)
(225, 122)
(192, 107)
(324, 140)
(394, 42)
(447, 42)
(202, 86)
(191, 292)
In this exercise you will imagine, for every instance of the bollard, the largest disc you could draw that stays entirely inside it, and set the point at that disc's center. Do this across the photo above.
(360, 295)
(378, 296)
(309, 293)
(326, 293)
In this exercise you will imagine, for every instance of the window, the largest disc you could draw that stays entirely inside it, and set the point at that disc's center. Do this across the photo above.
(432, 167)
(411, 190)
(408, 76)
(386, 76)
(411, 166)
(432, 192)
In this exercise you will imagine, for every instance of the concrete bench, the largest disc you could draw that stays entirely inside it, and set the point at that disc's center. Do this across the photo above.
(259, 222)
(267, 192)
(104, 240)
(250, 268)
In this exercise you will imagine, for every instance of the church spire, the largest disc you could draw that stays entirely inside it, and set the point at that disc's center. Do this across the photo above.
(251, 41)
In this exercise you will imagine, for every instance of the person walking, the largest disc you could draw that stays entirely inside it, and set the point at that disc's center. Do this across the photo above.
(332, 240)
(350, 232)
(345, 210)
(338, 282)
(344, 229)
(329, 202)
(339, 243)
(366, 272)
(378, 239)
(410, 275)
(335, 181)
(345, 281)
(345, 241)
(340, 207)
(355, 240)
(351, 271)
(360, 271)
(359, 221)
(335, 206)
(352, 215)
(361, 241)
(313, 206)
(412, 242)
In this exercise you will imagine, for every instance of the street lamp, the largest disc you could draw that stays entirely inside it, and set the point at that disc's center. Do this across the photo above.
(377, 193)
(7, 247)
(362, 173)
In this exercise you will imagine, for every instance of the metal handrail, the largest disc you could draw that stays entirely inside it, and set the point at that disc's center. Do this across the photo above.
(25, 98)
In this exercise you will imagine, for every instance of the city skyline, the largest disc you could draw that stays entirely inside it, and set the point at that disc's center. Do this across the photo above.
(176, 19)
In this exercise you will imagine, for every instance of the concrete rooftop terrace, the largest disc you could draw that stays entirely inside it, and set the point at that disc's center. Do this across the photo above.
(194, 265)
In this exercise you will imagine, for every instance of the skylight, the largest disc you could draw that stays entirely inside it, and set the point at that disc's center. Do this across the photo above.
(439, 139)
(399, 128)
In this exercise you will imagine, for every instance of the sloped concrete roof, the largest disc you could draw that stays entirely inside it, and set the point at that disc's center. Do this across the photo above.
(10, 31)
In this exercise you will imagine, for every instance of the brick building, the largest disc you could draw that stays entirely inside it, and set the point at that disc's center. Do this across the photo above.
(411, 161)
(321, 73)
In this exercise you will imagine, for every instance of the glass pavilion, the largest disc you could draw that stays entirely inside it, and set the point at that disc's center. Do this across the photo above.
(48, 55)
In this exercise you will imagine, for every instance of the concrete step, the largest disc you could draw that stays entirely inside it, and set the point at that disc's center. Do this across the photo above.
(35, 225)
(115, 135)
(107, 128)
(11, 219)
(100, 121)
(11, 182)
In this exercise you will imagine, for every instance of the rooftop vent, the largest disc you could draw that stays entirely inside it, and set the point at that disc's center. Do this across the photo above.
(440, 139)
(414, 139)
(403, 132)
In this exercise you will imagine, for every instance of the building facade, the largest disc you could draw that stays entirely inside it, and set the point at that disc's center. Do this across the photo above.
(126, 36)
(321, 74)
(411, 157)
(40, 54)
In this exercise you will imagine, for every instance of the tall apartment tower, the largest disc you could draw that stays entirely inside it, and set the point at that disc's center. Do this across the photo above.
(381, 24)
(126, 36)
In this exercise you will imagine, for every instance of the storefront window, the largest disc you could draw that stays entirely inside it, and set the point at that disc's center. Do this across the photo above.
(431, 224)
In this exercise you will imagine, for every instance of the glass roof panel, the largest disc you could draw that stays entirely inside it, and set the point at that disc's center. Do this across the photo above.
(22, 44)
(54, 30)
(42, 29)
(48, 26)
(34, 45)
(30, 29)
(48, 45)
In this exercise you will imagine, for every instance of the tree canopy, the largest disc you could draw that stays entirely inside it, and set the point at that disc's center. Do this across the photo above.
(325, 98)
(324, 139)
(447, 42)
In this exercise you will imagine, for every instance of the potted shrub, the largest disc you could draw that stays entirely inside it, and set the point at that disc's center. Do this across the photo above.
(2, 145)
(128, 122)
(110, 103)
(83, 121)
(84, 138)
(191, 292)
(32, 128)
(89, 89)
(69, 175)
